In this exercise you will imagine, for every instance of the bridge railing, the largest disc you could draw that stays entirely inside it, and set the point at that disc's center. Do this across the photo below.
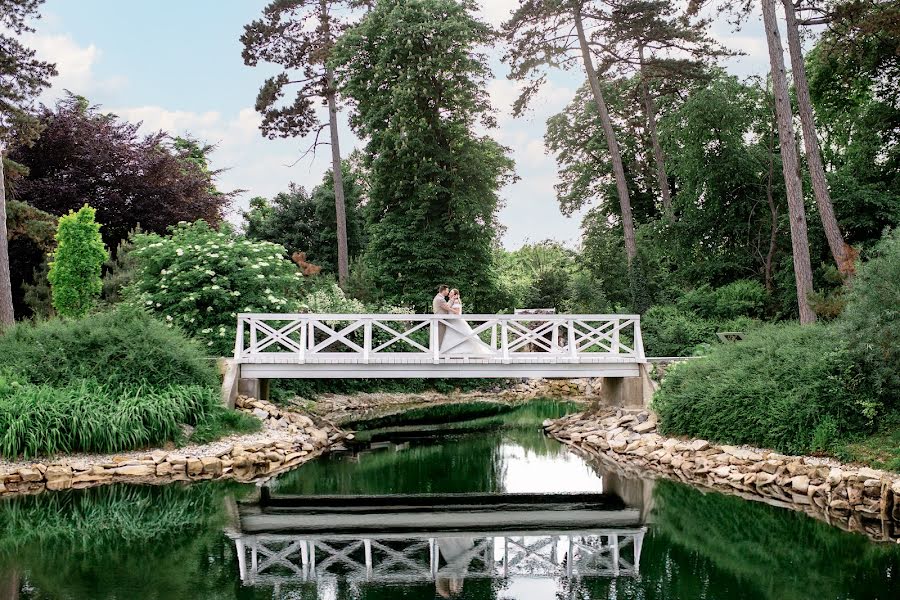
(380, 338)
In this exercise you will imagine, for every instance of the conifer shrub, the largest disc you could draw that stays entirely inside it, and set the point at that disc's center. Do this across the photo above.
(77, 263)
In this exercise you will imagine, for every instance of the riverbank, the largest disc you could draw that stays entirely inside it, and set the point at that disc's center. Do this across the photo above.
(287, 440)
(853, 498)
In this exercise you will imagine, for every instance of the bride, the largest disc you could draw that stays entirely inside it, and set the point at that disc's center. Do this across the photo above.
(459, 339)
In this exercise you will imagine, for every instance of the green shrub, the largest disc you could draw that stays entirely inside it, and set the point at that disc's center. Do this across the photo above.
(787, 387)
(122, 347)
(670, 331)
(77, 263)
(199, 279)
(871, 320)
(742, 298)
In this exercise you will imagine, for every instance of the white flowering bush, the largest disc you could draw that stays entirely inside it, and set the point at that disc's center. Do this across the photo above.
(200, 279)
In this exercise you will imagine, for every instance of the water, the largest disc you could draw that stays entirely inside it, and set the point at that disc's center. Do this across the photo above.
(185, 542)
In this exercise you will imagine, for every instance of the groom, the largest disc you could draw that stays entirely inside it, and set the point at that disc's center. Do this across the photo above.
(440, 306)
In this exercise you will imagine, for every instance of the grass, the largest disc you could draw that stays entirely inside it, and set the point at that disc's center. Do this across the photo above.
(220, 422)
(880, 450)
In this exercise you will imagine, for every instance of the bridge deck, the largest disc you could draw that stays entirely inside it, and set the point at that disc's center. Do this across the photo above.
(386, 346)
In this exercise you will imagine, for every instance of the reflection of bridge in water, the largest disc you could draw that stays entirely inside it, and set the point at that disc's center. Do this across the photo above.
(410, 539)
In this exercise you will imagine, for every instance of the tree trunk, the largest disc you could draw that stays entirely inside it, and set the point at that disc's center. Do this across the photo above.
(9, 584)
(790, 165)
(773, 214)
(7, 315)
(843, 255)
(658, 156)
(340, 209)
(609, 133)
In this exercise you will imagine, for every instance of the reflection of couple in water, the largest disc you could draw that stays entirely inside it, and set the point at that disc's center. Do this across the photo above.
(457, 554)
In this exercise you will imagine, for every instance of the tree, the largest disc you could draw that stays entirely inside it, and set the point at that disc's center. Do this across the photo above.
(790, 165)
(553, 32)
(843, 254)
(77, 263)
(304, 222)
(418, 84)
(647, 37)
(22, 78)
(85, 155)
(299, 36)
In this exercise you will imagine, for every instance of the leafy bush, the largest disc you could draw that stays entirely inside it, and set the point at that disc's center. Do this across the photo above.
(122, 347)
(110, 382)
(787, 387)
(199, 279)
(871, 319)
(742, 298)
(670, 331)
(77, 263)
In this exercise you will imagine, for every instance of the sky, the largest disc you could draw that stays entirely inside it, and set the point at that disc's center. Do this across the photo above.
(176, 65)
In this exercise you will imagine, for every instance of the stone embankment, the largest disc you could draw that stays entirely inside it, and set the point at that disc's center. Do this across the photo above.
(288, 439)
(852, 498)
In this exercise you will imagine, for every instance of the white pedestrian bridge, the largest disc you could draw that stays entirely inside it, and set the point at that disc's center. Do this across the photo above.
(272, 345)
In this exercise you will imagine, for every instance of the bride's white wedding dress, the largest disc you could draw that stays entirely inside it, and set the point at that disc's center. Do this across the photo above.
(459, 339)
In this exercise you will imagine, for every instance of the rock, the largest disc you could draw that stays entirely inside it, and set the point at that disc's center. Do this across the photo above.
(260, 414)
(575, 437)
(28, 475)
(722, 471)
(764, 478)
(800, 484)
(618, 444)
(163, 469)
(134, 470)
(55, 472)
(592, 439)
(834, 476)
(194, 466)
(839, 505)
(677, 461)
(698, 445)
(867, 473)
(642, 417)
(212, 466)
(317, 435)
(742, 453)
(644, 427)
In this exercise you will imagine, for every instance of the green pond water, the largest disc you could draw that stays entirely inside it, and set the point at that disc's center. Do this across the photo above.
(189, 542)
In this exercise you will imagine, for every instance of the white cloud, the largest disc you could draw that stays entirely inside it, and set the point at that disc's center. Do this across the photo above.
(74, 62)
(496, 12)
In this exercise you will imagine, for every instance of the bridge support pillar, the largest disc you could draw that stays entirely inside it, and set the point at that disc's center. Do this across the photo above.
(628, 392)
(255, 388)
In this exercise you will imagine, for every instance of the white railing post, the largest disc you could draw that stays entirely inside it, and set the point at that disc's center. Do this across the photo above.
(253, 341)
(239, 339)
(311, 335)
(367, 340)
(554, 337)
(301, 356)
(504, 340)
(615, 336)
(494, 336)
(638, 340)
(434, 343)
(573, 345)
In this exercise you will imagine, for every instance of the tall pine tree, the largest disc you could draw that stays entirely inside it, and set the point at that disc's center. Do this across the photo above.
(299, 36)
(417, 79)
(22, 77)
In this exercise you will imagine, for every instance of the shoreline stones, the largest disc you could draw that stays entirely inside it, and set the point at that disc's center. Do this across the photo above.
(860, 499)
(243, 463)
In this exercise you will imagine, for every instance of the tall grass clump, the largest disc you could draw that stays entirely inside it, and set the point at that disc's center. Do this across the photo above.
(789, 387)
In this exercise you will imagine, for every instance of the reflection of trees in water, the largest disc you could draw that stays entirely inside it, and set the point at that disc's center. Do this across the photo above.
(442, 464)
(775, 552)
(120, 541)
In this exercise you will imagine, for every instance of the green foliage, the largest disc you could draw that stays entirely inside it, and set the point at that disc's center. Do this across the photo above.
(787, 387)
(303, 222)
(740, 298)
(871, 320)
(199, 279)
(87, 416)
(417, 76)
(113, 381)
(120, 348)
(549, 289)
(77, 263)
